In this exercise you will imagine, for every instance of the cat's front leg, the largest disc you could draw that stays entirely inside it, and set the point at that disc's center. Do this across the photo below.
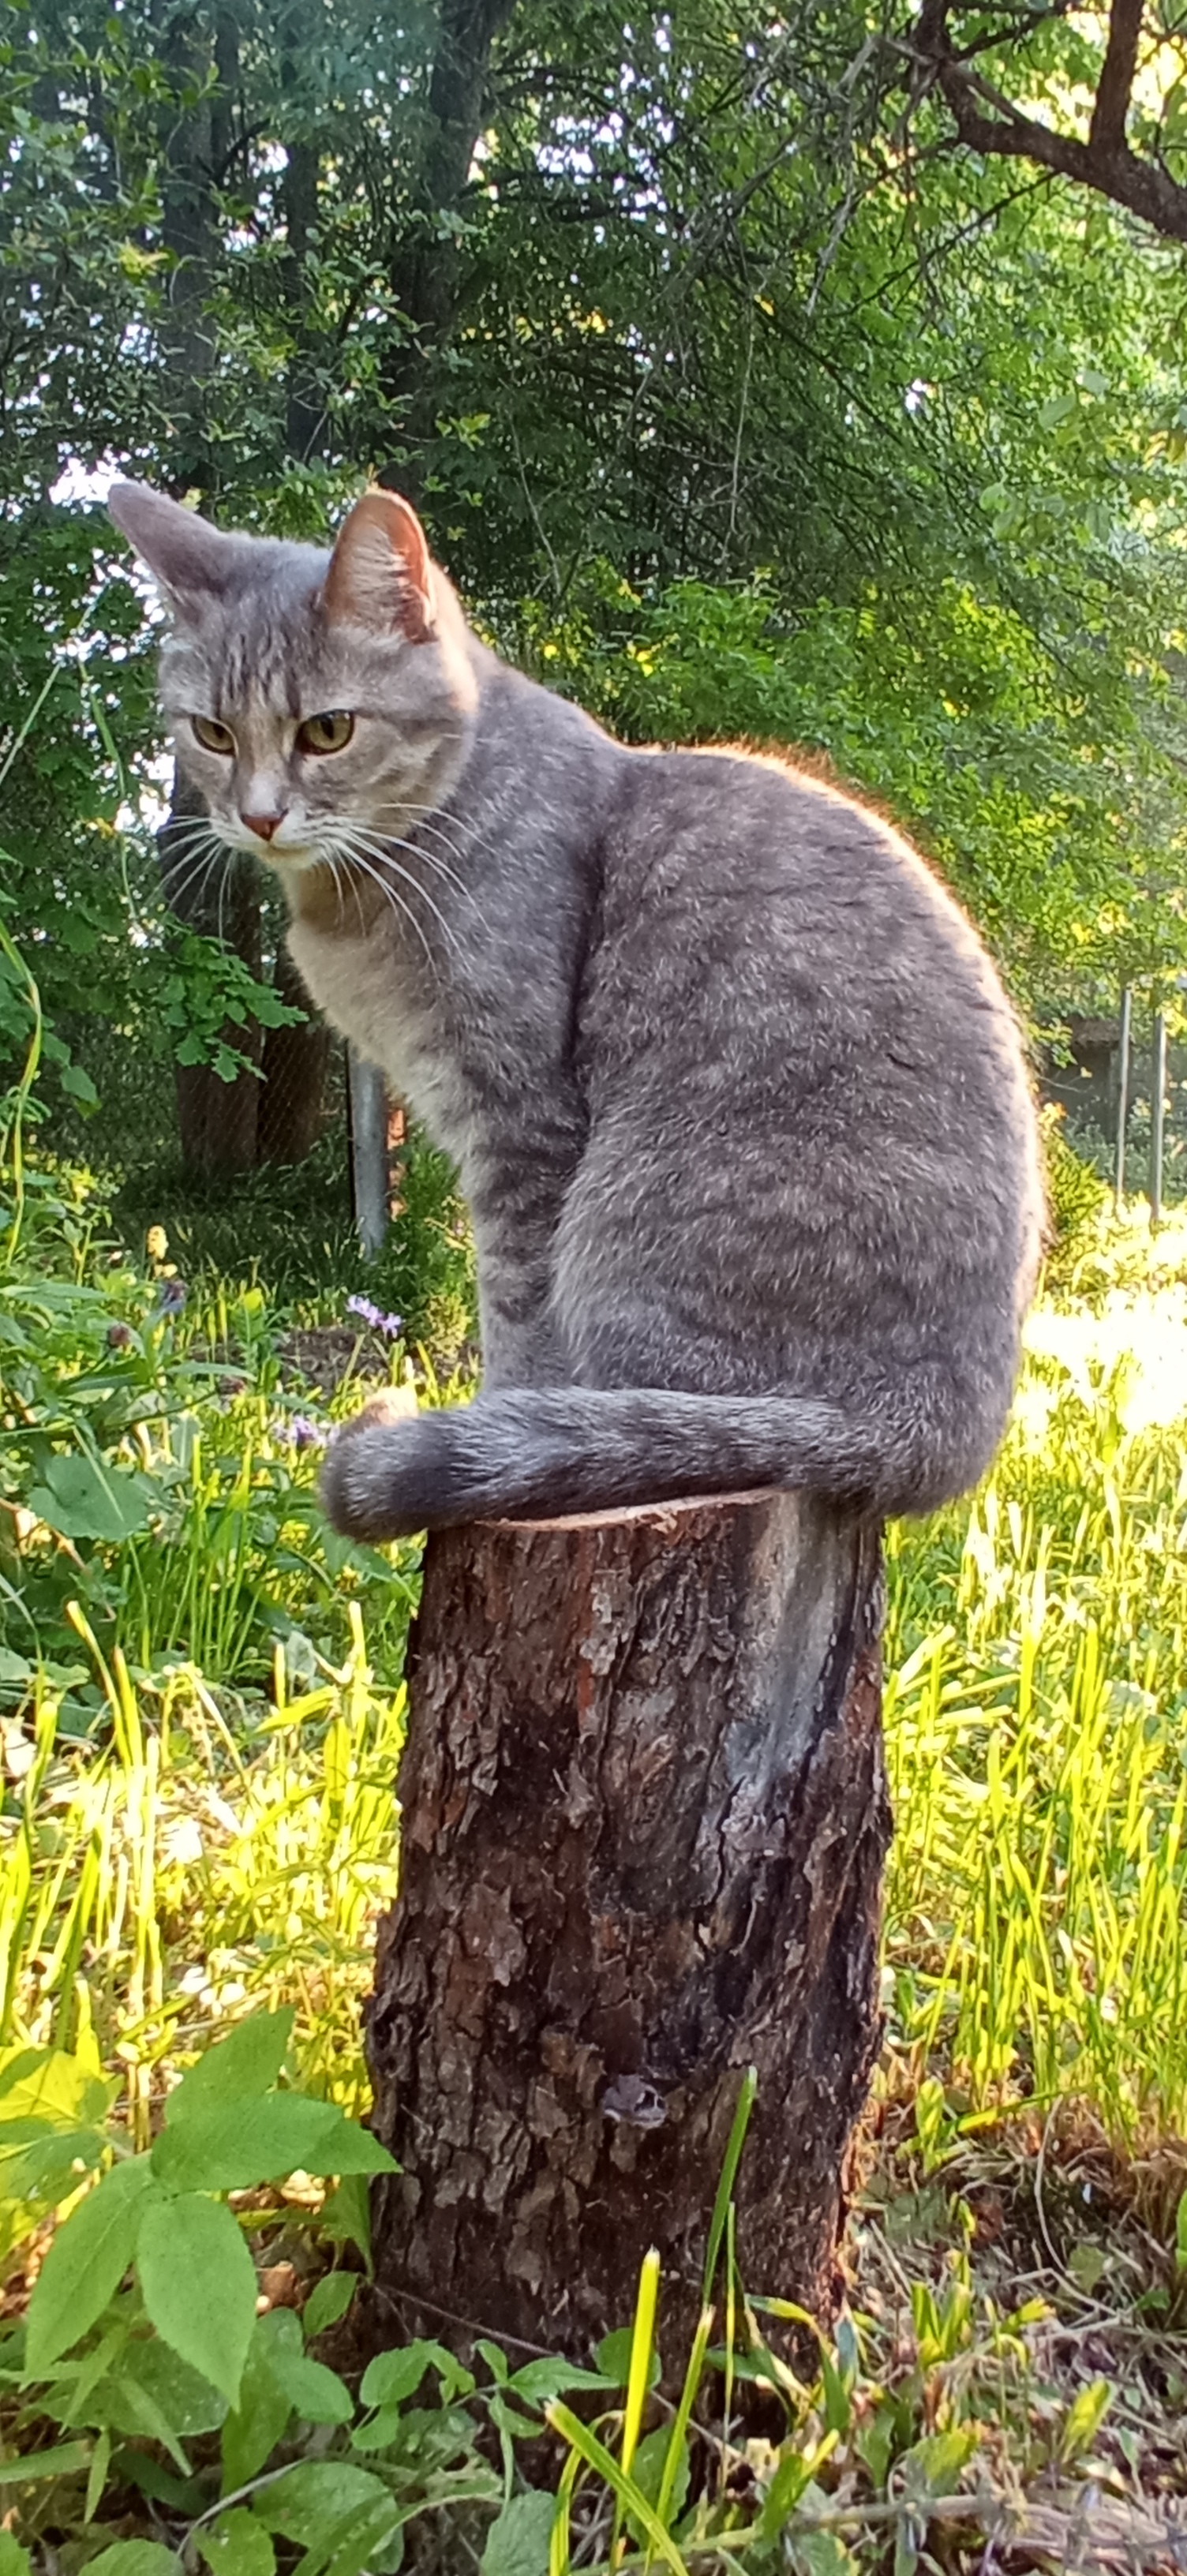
(515, 1208)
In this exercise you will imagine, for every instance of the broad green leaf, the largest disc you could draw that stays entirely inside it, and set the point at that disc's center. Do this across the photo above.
(648, 2465)
(47, 2084)
(14, 2561)
(234, 2145)
(259, 2421)
(83, 1497)
(933, 2466)
(191, 2403)
(312, 2501)
(198, 2284)
(86, 2262)
(393, 2376)
(328, 2302)
(362, 2541)
(316, 2394)
(517, 2544)
(237, 2069)
(236, 2545)
(135, 2558)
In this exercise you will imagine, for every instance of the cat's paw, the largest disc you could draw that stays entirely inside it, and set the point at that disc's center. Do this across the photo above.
(373, 1481)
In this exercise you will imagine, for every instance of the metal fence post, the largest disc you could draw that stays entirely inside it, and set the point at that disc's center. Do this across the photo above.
(368, 1150)
(1122, 1097)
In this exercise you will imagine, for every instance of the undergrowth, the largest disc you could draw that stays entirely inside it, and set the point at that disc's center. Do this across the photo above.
(201, 1695)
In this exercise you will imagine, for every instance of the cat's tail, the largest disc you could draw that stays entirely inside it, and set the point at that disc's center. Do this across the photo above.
(541, 1453)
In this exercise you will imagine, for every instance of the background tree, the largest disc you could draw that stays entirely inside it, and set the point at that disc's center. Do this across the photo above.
(734, 400)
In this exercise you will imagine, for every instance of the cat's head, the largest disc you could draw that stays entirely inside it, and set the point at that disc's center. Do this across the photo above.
(309, 696)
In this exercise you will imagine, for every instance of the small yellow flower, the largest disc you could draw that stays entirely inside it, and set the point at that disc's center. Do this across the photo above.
(156, 1243)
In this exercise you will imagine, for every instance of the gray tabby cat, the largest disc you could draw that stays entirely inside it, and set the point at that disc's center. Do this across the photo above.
(739, 1106)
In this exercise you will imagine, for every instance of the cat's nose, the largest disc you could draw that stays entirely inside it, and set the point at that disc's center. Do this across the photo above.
(264, 824)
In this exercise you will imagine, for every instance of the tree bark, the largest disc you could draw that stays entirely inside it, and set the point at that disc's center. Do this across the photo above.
(424, 268)
(295, 1066)
(645, 1818)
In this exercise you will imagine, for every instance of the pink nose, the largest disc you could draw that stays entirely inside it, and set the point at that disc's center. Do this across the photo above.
(264, 824)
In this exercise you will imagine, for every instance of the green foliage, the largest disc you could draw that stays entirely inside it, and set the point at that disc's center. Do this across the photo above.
(160, 2215)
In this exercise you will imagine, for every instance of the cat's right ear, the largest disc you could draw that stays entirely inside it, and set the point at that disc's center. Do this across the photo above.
(381, 572)
(191, 560)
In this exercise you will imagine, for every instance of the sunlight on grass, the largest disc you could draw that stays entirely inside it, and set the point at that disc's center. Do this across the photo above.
(1035, 1715)
(190, 1870)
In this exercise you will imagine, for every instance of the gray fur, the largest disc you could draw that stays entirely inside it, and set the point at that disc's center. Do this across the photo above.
(740, 1108)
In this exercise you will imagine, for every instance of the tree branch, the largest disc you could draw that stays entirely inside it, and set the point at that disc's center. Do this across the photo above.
(989, 123)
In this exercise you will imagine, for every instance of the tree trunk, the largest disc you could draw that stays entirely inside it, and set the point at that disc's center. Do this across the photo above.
(645, 1818)
(295, 1066)
(424, 269)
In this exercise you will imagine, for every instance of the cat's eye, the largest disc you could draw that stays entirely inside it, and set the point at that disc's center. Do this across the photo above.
(212, 735)
(330, 732)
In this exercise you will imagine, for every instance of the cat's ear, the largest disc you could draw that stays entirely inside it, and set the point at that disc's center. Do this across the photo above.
(380, 571)
(191, 560)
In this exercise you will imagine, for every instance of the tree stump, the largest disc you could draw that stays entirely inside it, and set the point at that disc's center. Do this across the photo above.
(644, 1823)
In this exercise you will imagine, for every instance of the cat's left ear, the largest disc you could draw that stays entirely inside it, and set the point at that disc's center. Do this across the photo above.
(381, 572)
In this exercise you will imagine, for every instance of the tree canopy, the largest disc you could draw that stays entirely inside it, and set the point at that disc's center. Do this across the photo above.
(740, 397)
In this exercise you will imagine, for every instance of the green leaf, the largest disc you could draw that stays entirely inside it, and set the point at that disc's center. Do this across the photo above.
(538, 2381)
(820, 2553)
(1084, 2418)
(933, 2467)
(236, 2545)
(188, 2400)
(82, 1497)
(48, 2085)
(14, 2561)
(1087, 2264)
(260, 2420)
(316, 2394)
(59, 2462)
(393, 2376)
(518, 2543)
(134, 2558)
(328, 2302)
(1181, 2234)
(312, 2501)
(198, 2284)
(237, 2069)
(231, 2146)
(346, 2215)
(86, 2262)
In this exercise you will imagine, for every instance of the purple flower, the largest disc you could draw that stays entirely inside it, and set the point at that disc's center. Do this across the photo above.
(119, 1337)
(375, 1317)
(301, 1433)
(171, 1296)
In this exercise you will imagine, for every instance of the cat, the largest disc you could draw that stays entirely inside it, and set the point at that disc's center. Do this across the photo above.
(740, 1109)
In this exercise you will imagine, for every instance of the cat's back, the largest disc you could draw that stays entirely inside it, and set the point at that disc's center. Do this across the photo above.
(732, 876)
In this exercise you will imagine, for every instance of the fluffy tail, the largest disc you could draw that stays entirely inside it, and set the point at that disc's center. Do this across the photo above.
(539, 1453)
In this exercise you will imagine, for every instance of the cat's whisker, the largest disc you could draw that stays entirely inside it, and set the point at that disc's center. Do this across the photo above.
(432, 858)
(381, 848)
(403, 911)
(364, 851)
(193, 884)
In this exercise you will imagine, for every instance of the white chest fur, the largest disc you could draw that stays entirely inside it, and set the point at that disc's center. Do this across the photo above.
(359, 985)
